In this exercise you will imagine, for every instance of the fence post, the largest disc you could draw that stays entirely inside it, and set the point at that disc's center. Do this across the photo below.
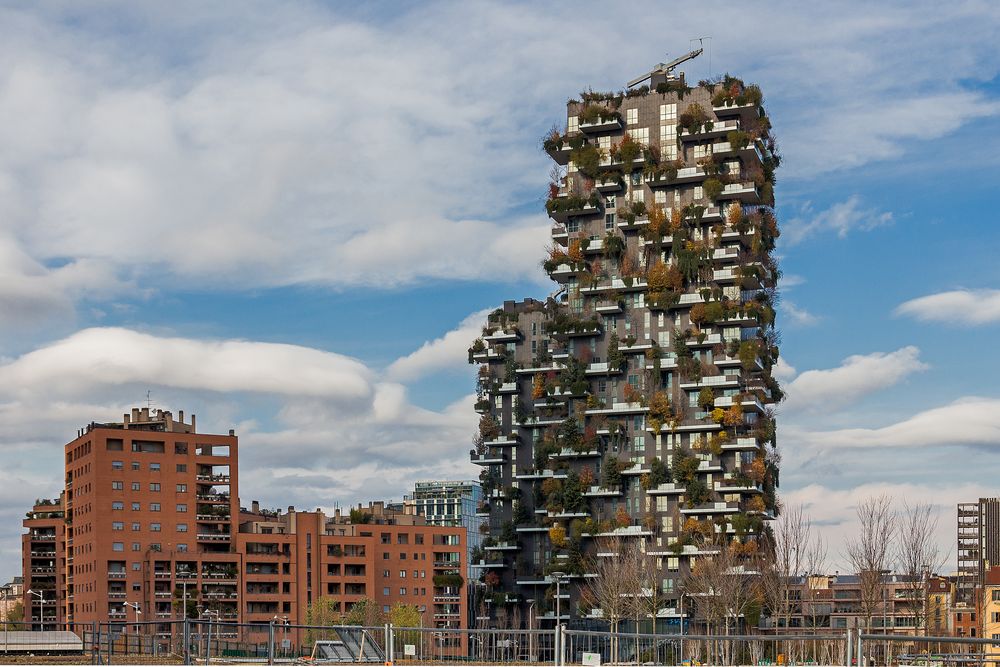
(861, 651)
(186, 638)
(389, 648)
(847, 654)
(270, 642)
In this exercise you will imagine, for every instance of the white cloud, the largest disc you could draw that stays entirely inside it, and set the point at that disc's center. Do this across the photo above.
(114, 356)
(832, 510)
(799, 316)
(858, 375)
(840, 218)
(445, 353)
(783, 371)
(973, 421)
(961, 306)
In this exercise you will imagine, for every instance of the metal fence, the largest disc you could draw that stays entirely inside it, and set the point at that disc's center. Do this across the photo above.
(211, 641)
(585, 647)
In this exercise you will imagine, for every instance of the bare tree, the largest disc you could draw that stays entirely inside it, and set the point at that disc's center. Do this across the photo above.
(785, 563)
(611, 590)
(869, 551)
(918, 555)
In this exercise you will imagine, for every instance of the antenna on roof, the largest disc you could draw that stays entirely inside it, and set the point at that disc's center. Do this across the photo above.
(149, 401)
(665, 71)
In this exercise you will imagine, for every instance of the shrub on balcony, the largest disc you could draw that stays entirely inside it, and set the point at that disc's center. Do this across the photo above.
(693, 118)
(662, 278)
(696, 492)
(557, 536)
(712, 187)
(706, 399)
(632, 212)
(660, 410)
(626, 151)
(611, 473)
(622, 518)
(658, 474)
(738, 139)
(572, 203)
(587, 158)
(614, 245)
(449, 580)
(478, 346)
(632, 394)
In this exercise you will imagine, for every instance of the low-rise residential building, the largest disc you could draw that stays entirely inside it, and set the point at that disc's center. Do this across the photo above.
(150, 519)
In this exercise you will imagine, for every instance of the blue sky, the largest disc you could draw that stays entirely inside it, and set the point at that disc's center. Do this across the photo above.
(289, 219)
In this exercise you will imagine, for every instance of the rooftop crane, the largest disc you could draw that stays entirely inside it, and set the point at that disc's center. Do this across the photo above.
(666, 70)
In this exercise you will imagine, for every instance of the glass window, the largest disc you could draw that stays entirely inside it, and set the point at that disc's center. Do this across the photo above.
(117, 525)
(117, 465)
(136, 526)
(155, 467)
(668, 112)
(136, 546)
(182, 488)
(154, 507)
(155, 527)
(182, 528)
(631, 116)
(182, 467)
(136, 486)
(118, 546)
(155, 486)
(117, 486)
(135, 465)
(182, 547)
(117, 505)
(182, 508)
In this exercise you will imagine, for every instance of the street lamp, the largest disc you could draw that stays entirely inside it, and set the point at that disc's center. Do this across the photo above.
(681, 651)
(41, 603)
(558, 576)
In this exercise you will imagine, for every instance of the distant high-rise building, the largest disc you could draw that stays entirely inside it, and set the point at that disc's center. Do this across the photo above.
(978, 546)
(634, 403)
(450, 503)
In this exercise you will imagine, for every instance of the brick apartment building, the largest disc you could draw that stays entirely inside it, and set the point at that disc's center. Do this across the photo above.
(150, 515)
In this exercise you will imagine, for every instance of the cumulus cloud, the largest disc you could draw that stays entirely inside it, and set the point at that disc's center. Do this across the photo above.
(973, 421)
(962, 306)
(858, 375)
(832, 510)
(841, 218)
(115, 356)
(444, 353)
(798, 316)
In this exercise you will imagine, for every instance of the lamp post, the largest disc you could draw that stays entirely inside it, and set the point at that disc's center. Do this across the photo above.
(558, 577)
(135, 606)
(41, 603)
(531, 627)
(681, 647)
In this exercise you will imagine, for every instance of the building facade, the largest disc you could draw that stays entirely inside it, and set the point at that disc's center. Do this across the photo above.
(150, 520)
(978, 545)
(634, 403)
(450, 503)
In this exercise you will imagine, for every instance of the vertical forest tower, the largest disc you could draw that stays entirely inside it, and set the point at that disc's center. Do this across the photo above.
(635, 402)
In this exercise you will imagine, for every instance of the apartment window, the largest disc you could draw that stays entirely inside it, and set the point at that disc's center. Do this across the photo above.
(182, 547)
(386, 573)
(573, 226)
(699, 193)
(386, 538)
(631, 116)
(702, 150)
(673, 564)
(136, 527)
(402, 555)
(609, 221)
(402, 574)
(385, 556)
(182, 488)
(155, 527)
(386, 592)
(118, 546)
(117, 465)
(180, 448)
(117, 486)
(154, 486)
(638, 194)
(136, 567)
(117, 525)
(182, 467)
(136, 486)
(136, 546)
(154, 467)
(154, 507)
(402, 591)
(416, 574)
(572, 124)
(668, 112)
(182, 508)
(419, 539)
(117, 505)
(135, 465)
(182, 528)
(640, 134)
